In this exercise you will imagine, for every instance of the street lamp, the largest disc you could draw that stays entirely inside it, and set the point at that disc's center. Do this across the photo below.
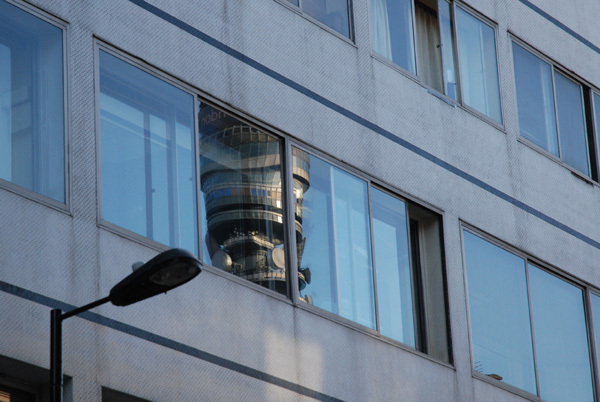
(164, 272)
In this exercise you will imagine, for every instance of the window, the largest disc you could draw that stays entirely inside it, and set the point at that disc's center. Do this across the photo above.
(9, 394)
(333, 13)
(347, 255)
(32, 128)
(241, 199)
(418, 36)
(147, 154)
(528, 326)
(551, 109)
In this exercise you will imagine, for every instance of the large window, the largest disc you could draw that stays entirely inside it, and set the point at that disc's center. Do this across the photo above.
(356, 241)
(32, 129)
(528, 326)
(418, 35)
(333, 13)
(551, 109)
(148, 171)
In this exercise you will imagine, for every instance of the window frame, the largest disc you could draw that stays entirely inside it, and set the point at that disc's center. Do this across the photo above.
(372, 182)
(453, 4)
(145, 67)
(586, 291)
(22, 191)
(587, 90)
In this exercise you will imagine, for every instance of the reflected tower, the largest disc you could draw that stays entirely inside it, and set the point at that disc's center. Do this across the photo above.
(243, 215)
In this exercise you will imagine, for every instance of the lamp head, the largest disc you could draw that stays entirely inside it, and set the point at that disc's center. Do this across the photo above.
(164, 272)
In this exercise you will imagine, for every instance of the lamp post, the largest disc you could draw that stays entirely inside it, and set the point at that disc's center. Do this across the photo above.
(164, 272)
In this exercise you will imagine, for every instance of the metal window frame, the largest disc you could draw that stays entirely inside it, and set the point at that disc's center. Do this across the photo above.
(552, 270)
(490, 23)
(583, 84)
(66, 95)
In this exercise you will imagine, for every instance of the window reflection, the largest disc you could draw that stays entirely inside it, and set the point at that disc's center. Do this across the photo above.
(31, 103)
(147, 146)
(335, 241)
(242, 211)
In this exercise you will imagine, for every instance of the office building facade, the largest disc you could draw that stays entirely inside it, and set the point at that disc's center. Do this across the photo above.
(391, 199)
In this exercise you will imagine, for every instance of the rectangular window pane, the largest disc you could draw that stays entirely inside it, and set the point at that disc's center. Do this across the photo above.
(596, 98)
(147, 146)
(333, 13)
(596, 317)
(392, 31)
(394, 280)
(571, 123)
(478, 68)
(31, 103)
(535, 99)
(447, 48)
(242, 212)
(334, 240)
(561, 342)
(428, 44)
(499, 310)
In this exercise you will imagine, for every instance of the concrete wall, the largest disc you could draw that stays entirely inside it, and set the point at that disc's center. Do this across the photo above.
(194, 333)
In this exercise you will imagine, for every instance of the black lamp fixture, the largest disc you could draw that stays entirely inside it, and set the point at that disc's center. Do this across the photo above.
(164, 272)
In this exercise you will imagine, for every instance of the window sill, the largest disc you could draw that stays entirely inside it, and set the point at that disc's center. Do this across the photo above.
(557, 160)
(504, 386)
(446, 99)
(318, 23)
(36, 197)
(324, 314)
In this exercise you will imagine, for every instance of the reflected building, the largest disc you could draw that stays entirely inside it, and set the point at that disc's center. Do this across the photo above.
(243, 216)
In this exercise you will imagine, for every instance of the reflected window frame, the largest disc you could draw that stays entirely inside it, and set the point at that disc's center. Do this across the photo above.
(529, 263)
(39, 197)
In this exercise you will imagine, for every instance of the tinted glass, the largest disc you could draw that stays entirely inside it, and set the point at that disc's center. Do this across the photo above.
(333, 13)
(479, 72)
(334, 245)
(392, 31)
(394, 282)
(242, 212)
(32, 147)
(571, 123)
(499, 309)
(535, 99)
(561, 342)
(147, 147)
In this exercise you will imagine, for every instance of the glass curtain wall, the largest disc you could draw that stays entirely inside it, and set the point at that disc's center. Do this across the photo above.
(147, 154)
(32, 129)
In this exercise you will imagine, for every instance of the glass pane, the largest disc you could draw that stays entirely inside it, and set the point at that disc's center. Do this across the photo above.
(561, 342)
(334, 245)
(596, 317)
(333, 13)
(535, 99)
(428, 44)
(394, 284)
(597, 121)
(447, 49)
(392, 31)
(242, 212)
(31, 103)
(147, 144)
(479, 72)
(499, 308)
(571, 123)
